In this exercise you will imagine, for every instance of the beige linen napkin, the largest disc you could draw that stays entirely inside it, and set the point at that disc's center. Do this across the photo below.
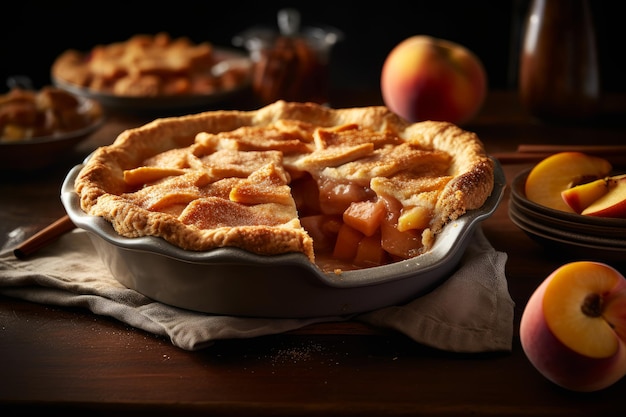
(471, 311)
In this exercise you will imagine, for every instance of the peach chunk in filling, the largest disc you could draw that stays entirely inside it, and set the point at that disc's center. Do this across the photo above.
(354, 227)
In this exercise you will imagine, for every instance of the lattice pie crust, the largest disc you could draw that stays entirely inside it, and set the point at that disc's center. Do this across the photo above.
(358, 184)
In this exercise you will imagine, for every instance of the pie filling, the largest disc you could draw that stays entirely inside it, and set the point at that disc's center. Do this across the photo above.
(348, 195)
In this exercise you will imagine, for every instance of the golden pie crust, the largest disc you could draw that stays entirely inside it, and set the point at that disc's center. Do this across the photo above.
(252, 179)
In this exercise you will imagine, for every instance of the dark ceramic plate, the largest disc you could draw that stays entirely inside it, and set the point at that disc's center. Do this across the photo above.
(181, 102)
(563, 218)
(572, 249)
(566, 235)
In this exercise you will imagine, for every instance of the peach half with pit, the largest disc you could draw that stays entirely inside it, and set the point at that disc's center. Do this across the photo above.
(573, 328)
(561, 171)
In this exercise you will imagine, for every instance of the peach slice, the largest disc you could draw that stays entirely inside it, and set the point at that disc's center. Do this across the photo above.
(611, 204)
(573, 328)
(561, 171)
(581, 196)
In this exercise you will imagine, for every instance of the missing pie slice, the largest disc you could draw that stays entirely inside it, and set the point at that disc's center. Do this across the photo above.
(349, 188)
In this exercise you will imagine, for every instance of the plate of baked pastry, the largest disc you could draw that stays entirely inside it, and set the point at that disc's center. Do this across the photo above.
(38, 127)
(290, 210)
(153, 72)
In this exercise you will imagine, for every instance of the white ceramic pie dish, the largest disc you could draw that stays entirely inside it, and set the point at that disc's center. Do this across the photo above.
(231, 281)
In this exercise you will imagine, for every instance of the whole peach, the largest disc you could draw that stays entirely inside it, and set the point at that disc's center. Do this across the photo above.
(426, 78)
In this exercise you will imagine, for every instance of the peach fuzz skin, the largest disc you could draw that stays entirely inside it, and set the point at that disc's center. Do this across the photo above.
(559, 363)
(426, 78)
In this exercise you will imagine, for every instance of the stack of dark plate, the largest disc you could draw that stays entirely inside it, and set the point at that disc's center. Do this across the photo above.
(571, 234)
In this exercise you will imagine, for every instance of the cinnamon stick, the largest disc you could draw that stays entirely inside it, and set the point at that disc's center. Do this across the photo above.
(519, 158)
(43, 237)
(590, 149)
(615, 154)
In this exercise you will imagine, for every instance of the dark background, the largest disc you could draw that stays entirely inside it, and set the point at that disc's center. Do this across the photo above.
(34, 33)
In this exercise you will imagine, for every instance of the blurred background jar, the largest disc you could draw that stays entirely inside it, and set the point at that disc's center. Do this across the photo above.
(291, 64)
(559, 78)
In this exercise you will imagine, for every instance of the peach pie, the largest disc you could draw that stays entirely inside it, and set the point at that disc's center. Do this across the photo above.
(349, 188)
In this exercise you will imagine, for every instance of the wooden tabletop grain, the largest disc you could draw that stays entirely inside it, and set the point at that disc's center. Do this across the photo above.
(56, 359)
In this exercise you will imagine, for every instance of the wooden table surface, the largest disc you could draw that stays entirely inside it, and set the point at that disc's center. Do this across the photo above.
(63, 359)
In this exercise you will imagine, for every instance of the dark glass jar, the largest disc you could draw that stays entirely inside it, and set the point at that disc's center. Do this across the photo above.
(559, 78)
(292, 64)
